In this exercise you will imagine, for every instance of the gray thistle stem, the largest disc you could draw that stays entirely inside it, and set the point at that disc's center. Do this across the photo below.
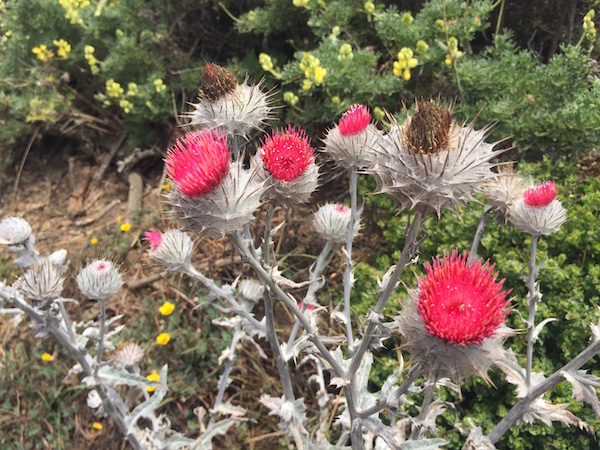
(532, 301)
(348, 277)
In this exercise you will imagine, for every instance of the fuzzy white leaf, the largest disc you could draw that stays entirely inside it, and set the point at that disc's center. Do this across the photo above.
(539, 326)
(584, 389)
(216, 429)
(547, 412)
(147, 408)
(424, 444)
(230, 410)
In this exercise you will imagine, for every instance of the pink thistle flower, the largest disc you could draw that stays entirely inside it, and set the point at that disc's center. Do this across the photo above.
(542, 194)
(355, 120)
(198, 162)
(154, 237)
(459, 300)
(287, 154)
(332, 220)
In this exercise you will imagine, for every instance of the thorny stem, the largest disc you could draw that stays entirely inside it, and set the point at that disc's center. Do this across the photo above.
(100, 347)
(532, 301)
(429, 391)
(479, 234)
(217, 290)
(348, 277)
(246, 254)
(522, 405)
(312, 287)
(266, 252)
(410, 248)
(71, 347)
(67, 322)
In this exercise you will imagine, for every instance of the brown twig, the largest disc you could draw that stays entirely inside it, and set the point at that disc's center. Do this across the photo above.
(16, 185)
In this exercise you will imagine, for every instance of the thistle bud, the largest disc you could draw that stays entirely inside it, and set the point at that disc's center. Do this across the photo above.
(129, 356)
(41, 283)
(14, 231)
(332, 220)
(99, 280)
(250, 290)
(538, 212)
(171, 249)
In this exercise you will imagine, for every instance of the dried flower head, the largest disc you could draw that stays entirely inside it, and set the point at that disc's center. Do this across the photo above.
(225, 209)
(538, 212)
(288, 162)
(453, 324)
(42, 283)
(352, 141)
(432, 161)
(250, 290)
(99, 280)
(237, 109)
(332, 220)
(503, 190)
(171, 250)
(14, 231)
(129, 356)
(198, 162)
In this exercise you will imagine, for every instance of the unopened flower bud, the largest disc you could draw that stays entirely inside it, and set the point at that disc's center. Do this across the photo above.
(171, 249)
(538, 212)
(129, 356)
(41, 283)
(14, 231)
(250, 290)
(99, 280)
(332, 220)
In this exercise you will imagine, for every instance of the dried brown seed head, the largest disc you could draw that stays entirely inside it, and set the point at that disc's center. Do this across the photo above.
(217, 82)
(429, 128)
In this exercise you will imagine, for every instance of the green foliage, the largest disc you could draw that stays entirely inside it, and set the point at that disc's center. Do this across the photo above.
(548, 109)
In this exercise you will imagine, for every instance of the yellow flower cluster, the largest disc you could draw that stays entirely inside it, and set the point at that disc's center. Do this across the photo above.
(369, 7)
(407, 19)
(43, 53)
(454, 54)
(290, 98)
(72, 8)
(406, 61)
(88, 53)
(589, 28)
(113, 89)
(6, 36)
(301, 3)
(335, 101)
(126, 106)
(335, 32)
(313, 71)
(422, 47)
(41, 112)
(63, 48)
(159, 85)
(132, 90)
(345, 53)
(267, 65)
(251, 16)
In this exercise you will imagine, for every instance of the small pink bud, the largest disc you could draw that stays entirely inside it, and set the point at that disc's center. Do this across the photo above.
(309, 307)
(355, 120)
(198, 162)
(287, 153)
(14, 231)
(541, 194)
(171, 250)
(154, 237)
(99, 280)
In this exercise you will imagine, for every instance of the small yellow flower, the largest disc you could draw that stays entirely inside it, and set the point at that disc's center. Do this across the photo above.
(306, 85)
(378, 113)
(163, 338)
(265, 62)
(335, 100)
(422, 47)
(63, 48)
(97, 426)
(167, 309)
(42, 53)
(166, 186)
(159, 85)
(94, 241)
(125, 227)
(320, 73)
(407, 19)
(369, 7)
(152, 377)
(126, 106)
(132, 90)
(290, 97)
(119, 219)
(47, 357)
(113, 89)
(405, 63)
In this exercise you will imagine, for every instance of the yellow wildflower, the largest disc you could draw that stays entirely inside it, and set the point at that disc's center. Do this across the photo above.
(132, 90)
(159, 85)
(290, 97)
(335, 100)
(119, 219)
(94, 241)
(166, 186)
(63, 48)
(167, 309)
(345, 53)
(47, 357)
(422, 47)
(407, 19)
(300, 3)
(306, 85)
(320, 73)
(126, 106)
(265, 62)
(454, 54)
(125, 226)
(97, 426)
(113, 89)
(163, 338)
(369, 7)
(152, 377)
(405, 62)
(42, 53)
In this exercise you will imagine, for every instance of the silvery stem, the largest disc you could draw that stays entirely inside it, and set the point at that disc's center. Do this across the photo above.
(312, 287)
(532, 302)
(348, 281)
(100, 347)
(479, 234)
(67, 322)
(266, 252)
(522, 405)
(246, 254)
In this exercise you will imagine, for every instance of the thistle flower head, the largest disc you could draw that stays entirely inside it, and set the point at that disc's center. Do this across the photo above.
(432, 161)
(198, 162)
(99, 280)
(42, 283)
(129, 356)
(237, 109)
(225, 209)
(14, 231)
(503, 190)
(453, 324)
(287, 153)
(459, 300)
(538, 212)
(331, 222)
(541, 194)
(355, 120)
(287, 163)
(217, 82)
(351, 142)
(171, 250)
(250, 290)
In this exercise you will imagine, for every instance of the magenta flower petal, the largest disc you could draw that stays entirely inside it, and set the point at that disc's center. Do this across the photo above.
(287, 153)
(355, 120)
(542, 194)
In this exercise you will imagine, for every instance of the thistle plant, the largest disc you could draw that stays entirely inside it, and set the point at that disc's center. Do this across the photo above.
(452, 324)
